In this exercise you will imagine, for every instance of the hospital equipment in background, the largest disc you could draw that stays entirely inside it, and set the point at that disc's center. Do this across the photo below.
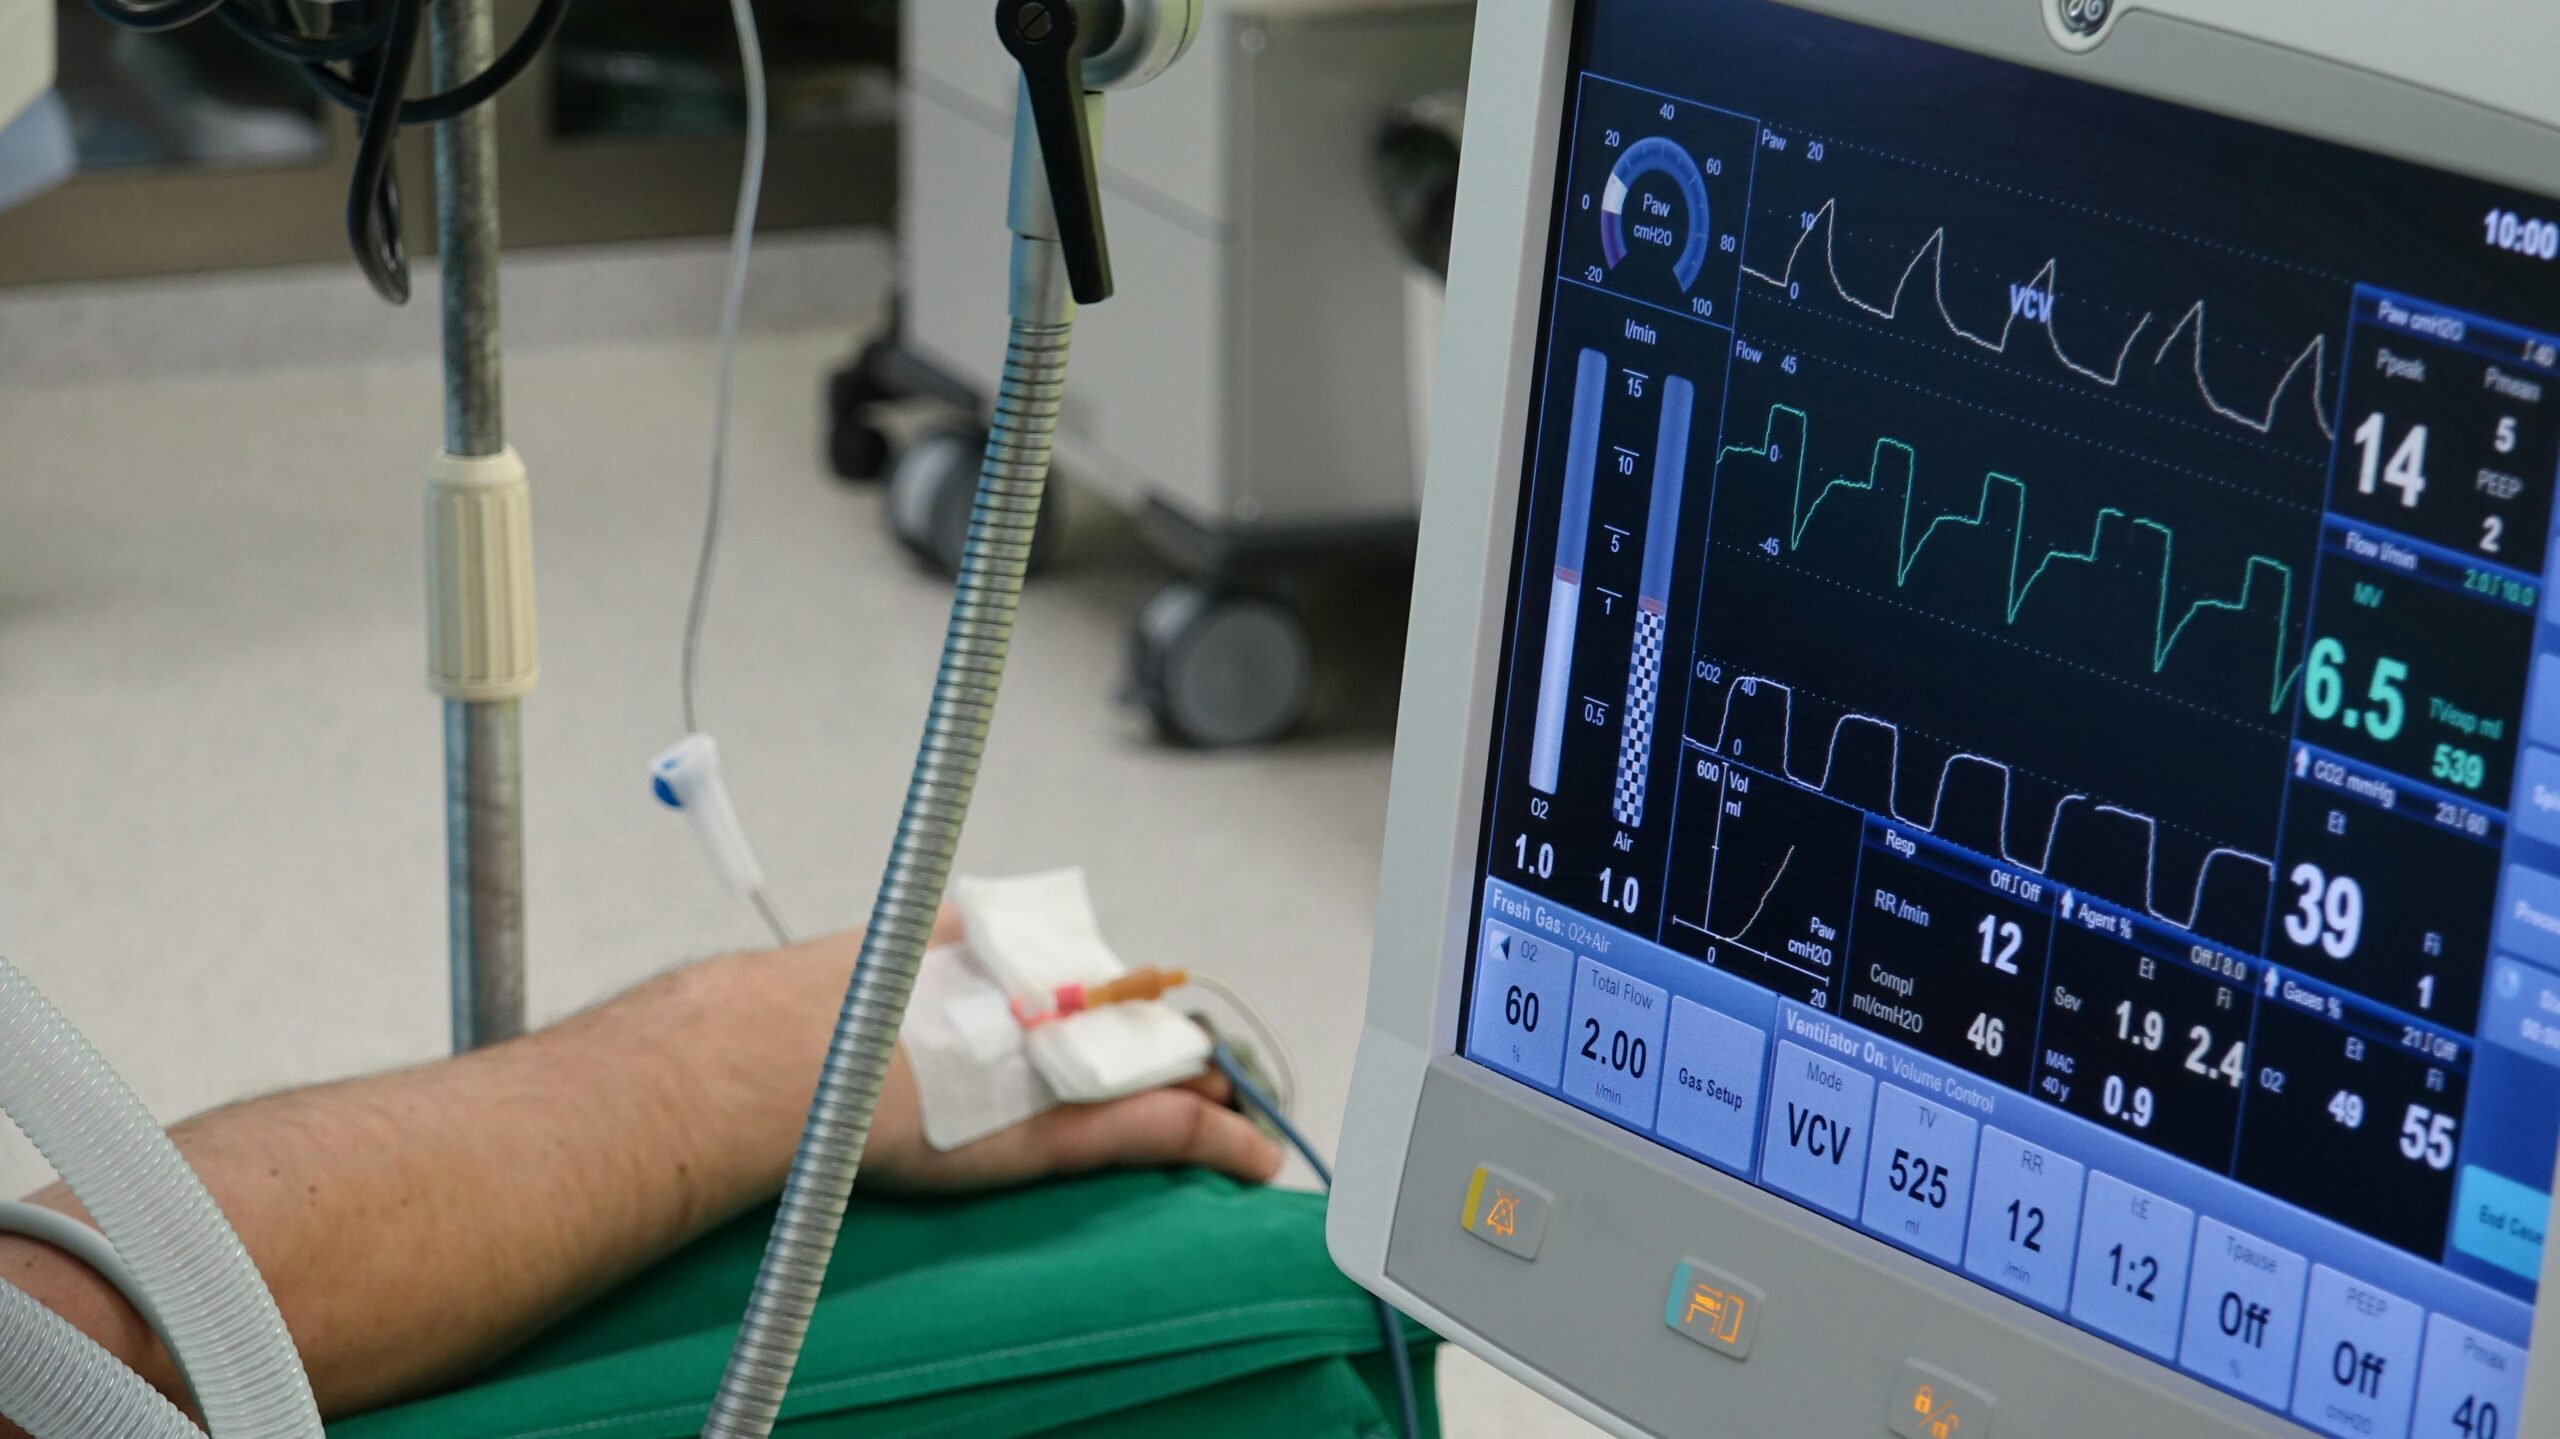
(35, 134)
(1253, 405)
(26, 55)
(1971, 848)
(164, 1241)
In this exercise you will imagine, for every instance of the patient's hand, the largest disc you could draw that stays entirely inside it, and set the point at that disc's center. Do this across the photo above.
(1187, 1124)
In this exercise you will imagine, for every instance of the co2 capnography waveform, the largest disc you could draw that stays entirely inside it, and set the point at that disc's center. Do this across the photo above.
(2038, 858)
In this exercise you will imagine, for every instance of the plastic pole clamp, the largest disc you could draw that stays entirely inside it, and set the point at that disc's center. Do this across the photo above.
(480, 629)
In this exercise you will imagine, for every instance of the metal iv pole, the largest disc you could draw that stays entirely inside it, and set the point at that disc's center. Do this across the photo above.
(481, 597)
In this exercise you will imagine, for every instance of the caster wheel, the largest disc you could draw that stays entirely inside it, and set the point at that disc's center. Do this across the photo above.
(856, 448)
(933, 487)
(1220, 669)
(866, 379)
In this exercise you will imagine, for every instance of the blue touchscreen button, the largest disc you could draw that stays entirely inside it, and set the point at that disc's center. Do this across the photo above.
(1524, 992)
(2530, 922)
(2501, 1221)
(1817, 1149)
(2244, 1312)
(2026, 1217)
(1613, 1056)
(1920, 1173)
(1711, 1066)
(2471, 1386)
(2359, 1368)
(2537, 810)
(2131, 1282)
(2542, 713)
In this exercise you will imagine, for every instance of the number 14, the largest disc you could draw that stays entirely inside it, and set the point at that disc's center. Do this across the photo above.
(2407, 469)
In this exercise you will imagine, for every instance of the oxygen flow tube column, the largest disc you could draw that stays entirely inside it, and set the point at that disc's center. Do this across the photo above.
(1653, 599)
(1564, 599)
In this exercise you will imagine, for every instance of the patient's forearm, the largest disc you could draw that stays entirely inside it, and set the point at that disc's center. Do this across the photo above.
(414, 1225)
(418, 1225)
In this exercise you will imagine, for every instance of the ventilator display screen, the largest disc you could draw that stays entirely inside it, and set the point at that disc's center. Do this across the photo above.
(2030, 718)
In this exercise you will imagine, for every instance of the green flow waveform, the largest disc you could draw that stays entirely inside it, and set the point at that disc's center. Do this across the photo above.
(2166, 631)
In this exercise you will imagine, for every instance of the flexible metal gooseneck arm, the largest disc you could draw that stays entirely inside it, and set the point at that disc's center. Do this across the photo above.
(1059, 256)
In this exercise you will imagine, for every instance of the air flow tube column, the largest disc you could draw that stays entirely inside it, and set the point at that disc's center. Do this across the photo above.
(1653, 600)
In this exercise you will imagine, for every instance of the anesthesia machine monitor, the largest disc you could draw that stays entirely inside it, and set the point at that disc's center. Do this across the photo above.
(1975, 841)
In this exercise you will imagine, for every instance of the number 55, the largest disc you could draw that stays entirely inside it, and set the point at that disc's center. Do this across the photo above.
(2427, 1137)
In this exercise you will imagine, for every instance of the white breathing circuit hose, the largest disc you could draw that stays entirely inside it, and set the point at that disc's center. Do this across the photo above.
(56, 1383)
(221, 1323)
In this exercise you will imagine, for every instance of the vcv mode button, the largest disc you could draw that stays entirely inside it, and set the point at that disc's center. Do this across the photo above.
(1816, 1148)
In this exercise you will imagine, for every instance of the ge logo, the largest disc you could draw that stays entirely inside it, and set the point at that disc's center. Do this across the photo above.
(2085, 17)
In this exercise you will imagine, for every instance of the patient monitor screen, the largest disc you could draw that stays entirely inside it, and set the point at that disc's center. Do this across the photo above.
(2030, 714)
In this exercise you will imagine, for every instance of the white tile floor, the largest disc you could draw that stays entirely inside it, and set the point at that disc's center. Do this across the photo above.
(220, 833)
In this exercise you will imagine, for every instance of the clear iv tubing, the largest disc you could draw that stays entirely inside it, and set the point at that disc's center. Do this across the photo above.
(1001, 526)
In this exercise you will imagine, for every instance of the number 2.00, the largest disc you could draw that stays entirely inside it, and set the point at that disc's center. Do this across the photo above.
(1625, 1052)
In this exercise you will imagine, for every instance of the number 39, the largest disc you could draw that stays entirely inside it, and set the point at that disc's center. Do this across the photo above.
(2328, 912)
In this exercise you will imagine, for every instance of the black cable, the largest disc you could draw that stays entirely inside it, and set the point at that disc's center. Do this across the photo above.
(151, 19)
(380, 53)
(265, 33)
(478, 90)
(1390, 1323)
(373, 193)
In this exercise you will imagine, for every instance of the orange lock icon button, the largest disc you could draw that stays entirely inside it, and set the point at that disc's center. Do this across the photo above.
(1943, 1420)
(1929, 1405)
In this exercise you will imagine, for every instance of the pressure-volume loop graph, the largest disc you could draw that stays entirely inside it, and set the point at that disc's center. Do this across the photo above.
(2037, 856)
(1780, 888)
(2169, 623)
(1760, 906)
(2034, 302)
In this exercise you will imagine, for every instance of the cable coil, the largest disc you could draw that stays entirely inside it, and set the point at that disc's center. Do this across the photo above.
(380, 52)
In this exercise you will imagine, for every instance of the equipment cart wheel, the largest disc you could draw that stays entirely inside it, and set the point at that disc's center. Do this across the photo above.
(931, 490)
(857, 447)
(1219, 668)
